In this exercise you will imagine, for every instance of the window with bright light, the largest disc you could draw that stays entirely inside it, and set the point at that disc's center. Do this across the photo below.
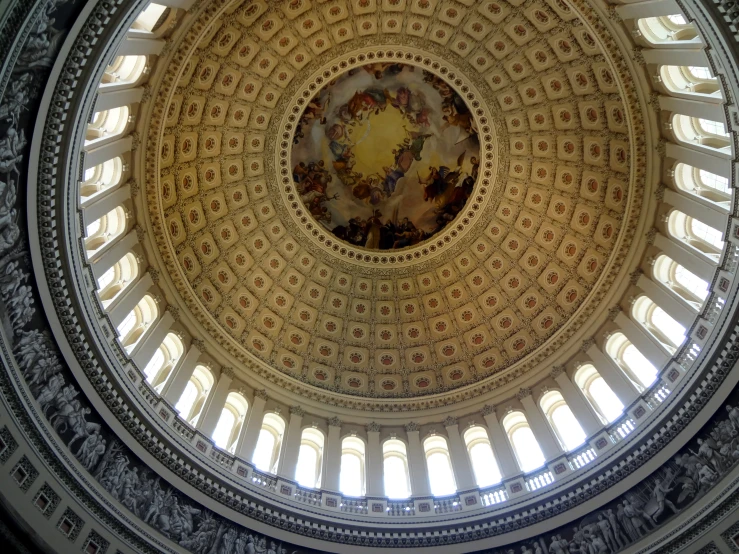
(267, 451)
(524, 443)
(678, 279)
(159, 368)
(482, 458)
(601, 397)
(230, 422)
(634, 363)
(125, 69)
(143, 316)
(351, 476)
(696, 234)
(708, 126)
(562, 420)
(658, 323)
(711, 180)
(191, 401)
(310, 458)
(439, 463)
(395, 469)
(225, 425)
(114, 281)
(103, 230)
(101, 177)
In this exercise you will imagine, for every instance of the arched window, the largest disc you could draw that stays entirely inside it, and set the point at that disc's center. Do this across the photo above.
(634, 364)
(114, 281)
(267, 452)
(147, 19)
(562, 420)
(101, 177)
(658, 323)
(481, 455)
(439, 463)
(679, 280)
(601, 397)
(670, 28)
(104, 229)
(310, 458)
(703, 184)
(230, 422)
(191, 402)
(125, 69)
(696, 234)
(351, 476)
(138, 322)
(690, 81)
(395, 469)
(525, 447)
(108, 123)
(704, 132)
(159, 368)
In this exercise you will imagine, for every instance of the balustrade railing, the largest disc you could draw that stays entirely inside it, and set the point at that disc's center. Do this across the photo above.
(401, 508)
(539, 480)
(308, 496)
(447, 504)
(490, 497)
(354, 505)
(582, 458)
(264, 480)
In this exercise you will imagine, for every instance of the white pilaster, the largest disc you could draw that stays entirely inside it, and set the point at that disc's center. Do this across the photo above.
(122, 306)
(147, 346)
(291, 445)
(181, 375)
(539, 426)
(418, 469)
(644, 343)
(613, 375)
(577, 403)
(95, 155)
(332, 458)
(104, 204)
(701, 160)
(250, 433)
(214, 404)
(375, 462)
(461, 465)
(140, 47)
(699, 265)
(107, 100)
(110, 256)
(501, 447)
(706, 213)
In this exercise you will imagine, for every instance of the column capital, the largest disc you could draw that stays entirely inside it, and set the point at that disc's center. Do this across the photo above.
(613, 312)
(228, 372)
(297, 410)
(450, 421)
(488, 409)
(412, 426)
(557, 370)
(199, 344)
(261, 393)
(586, 344)
(523, 392)
(373, 427)
(335, 422)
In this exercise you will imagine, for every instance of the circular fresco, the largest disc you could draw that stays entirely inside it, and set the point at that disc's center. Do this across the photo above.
(386, 155)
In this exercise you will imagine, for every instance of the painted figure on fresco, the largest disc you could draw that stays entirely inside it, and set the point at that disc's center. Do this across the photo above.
(385, 156)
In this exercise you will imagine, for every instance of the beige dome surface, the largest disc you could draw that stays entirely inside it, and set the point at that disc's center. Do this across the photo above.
(514, 279)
